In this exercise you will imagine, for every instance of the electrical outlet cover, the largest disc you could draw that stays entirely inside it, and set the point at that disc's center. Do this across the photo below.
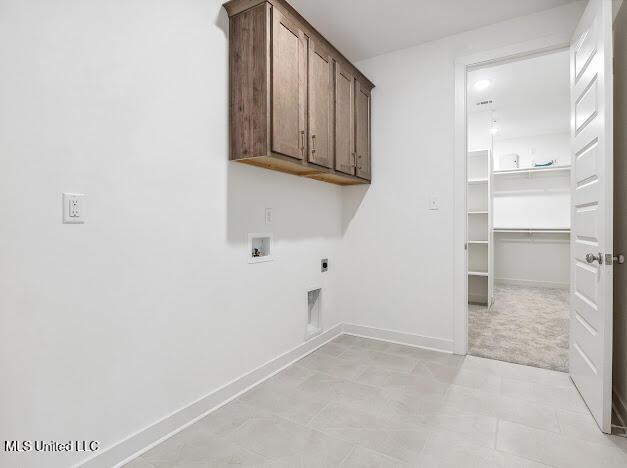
(73, 208)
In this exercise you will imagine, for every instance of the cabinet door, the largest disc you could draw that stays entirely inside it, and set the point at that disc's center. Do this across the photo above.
(289, 85)
(320, 106)
(344, 114)
(362, 130)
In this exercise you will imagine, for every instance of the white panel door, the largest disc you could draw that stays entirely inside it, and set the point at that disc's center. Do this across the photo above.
(591, 272)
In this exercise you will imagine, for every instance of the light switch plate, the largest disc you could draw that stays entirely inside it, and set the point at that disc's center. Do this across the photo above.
(73, 208)
(434, 204)
(268, 215)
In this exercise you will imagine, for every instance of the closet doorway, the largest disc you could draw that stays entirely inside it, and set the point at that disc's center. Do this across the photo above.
(518, 210)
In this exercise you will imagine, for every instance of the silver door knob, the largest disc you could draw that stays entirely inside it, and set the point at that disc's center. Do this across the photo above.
(591, 258)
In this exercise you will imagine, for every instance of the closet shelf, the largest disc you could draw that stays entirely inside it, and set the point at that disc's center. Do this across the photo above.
(478, 242)
(477, 212)
(533, 170)
(533, 230)
(477, 181)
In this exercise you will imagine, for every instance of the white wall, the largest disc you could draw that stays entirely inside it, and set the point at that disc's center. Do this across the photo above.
(538, 148)
(537, 259)
(478, 130)
(401, 254)
(539, 201)
(107, 327)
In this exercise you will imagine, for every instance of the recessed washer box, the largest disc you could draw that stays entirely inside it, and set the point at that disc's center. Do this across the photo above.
(260, 247)
(314, 312)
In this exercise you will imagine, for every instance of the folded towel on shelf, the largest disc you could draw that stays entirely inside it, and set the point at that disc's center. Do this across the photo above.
(546, 164)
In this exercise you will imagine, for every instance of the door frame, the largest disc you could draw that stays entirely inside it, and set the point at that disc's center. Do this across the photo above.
(463, 65)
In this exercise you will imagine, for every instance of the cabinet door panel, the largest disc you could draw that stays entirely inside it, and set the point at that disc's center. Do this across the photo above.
(320, 106)
(362, 130)
(289, 59)
(344, 131)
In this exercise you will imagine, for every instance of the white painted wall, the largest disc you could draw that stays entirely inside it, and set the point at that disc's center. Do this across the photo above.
(538, 148)
(478, 130)
(401, 254)
(107, 327)
(537, 259)
(539, 201)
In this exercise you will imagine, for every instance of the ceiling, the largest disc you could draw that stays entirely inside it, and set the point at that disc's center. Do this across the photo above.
(362, 29)
(531, 96)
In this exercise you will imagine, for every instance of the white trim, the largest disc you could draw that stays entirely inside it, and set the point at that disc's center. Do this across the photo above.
(393, 336)
(504, 54)
(143, 440)
(538, 284)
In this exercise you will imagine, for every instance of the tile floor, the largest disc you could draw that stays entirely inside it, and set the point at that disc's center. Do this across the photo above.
(357, 402)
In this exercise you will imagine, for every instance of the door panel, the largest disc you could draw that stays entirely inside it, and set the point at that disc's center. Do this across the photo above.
(362, 130)
(344, 114)
(289, 59)
(320, 106)
(591, 280)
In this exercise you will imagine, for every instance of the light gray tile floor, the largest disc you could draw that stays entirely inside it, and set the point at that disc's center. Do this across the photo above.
(364, 403)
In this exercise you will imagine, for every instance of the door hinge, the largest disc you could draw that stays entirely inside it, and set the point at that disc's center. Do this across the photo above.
(612, 259)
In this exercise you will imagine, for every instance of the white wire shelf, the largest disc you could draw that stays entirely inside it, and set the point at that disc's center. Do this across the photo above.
(533, 170)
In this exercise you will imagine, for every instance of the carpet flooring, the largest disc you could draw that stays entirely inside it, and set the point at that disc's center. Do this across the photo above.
(526, 325)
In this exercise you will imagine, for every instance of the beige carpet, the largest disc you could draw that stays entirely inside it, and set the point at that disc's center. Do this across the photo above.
(526, 325)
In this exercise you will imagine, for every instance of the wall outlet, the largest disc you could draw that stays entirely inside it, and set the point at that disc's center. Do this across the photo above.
(434, 204)
(268, 215)
(73, 208)
(324, 265)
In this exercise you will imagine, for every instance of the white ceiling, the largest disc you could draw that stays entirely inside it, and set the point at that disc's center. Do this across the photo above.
(364, 28)
(531, 97)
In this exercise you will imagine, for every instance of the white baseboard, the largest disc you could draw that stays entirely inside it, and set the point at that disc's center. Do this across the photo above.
(620, 408)
(133, 446)
(436, 344)
(539, 284)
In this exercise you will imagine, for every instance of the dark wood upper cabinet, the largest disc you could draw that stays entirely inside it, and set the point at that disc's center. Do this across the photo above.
(296, 104)
(320, 105)
(362, 130)
(289, 87)
(344, 120)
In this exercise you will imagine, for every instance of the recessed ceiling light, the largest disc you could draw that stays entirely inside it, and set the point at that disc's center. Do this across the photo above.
(482, 84)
